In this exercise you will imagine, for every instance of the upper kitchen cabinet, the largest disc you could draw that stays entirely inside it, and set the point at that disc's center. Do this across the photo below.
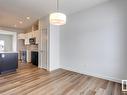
(27, 39)
(31, 32)
(30, 35)
(21, 36)
(24, 36)
(27, 36)
(37, 36)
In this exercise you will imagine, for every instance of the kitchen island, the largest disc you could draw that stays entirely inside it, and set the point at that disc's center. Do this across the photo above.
(8, 62)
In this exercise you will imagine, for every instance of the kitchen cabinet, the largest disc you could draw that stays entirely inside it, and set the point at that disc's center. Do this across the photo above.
(8, 62)
(28, 54)
(34, 58)
(27, 36)
(37, 36)
(27, 39)
(30, 35)
(21, 36)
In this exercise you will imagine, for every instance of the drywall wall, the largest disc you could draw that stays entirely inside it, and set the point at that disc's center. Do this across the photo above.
(94, 41)
(20, 43)
(8, 42)
(11, 29)
(14, 39)
(54, 47)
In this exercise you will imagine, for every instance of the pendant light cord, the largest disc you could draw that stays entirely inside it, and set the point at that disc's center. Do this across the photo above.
(57, 5)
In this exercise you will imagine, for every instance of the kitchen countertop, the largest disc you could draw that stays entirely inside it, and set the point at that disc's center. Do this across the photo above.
(9, 52)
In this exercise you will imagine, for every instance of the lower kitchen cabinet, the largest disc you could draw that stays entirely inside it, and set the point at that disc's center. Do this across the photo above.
(8, 62)
(34, 58)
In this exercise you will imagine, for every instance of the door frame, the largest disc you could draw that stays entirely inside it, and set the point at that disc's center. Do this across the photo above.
(47, 50)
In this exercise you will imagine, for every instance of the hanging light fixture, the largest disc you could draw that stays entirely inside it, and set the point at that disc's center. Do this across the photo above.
(57, 18)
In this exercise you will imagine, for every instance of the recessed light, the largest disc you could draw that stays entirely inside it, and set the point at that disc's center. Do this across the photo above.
(28, 17)
(20, 22)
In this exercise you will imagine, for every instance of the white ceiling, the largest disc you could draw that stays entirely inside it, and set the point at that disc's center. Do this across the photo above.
(12, 11)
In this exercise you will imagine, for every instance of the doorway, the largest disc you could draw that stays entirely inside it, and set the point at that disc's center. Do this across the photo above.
(43, 49)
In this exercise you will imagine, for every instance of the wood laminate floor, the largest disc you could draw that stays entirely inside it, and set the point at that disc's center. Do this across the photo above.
(29, 80)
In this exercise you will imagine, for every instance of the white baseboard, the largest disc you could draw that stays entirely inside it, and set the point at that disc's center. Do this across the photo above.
(96, 75)
(43, 68)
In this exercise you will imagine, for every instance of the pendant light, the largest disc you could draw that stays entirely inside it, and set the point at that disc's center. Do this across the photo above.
(57, 18)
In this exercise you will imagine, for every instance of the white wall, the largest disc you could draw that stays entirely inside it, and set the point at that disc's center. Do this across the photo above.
(8, 39)
(54, 48)
(94, 41)
(20, 43)
(11, 29)
(14, 38)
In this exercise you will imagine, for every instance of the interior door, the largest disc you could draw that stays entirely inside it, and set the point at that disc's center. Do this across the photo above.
(43, 51)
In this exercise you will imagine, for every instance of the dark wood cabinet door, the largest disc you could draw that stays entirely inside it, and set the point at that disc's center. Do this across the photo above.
(8, 61)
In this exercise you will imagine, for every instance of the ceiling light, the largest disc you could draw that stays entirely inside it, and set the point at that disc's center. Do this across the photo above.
(20, 22)
(57, 18)
(28, 17)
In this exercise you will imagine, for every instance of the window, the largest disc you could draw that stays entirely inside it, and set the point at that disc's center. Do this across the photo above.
(1, 45)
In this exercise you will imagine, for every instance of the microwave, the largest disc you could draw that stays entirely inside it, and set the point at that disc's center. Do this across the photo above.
(32, 41)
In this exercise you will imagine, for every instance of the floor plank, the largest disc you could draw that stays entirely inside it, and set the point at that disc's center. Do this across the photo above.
(30, 80)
